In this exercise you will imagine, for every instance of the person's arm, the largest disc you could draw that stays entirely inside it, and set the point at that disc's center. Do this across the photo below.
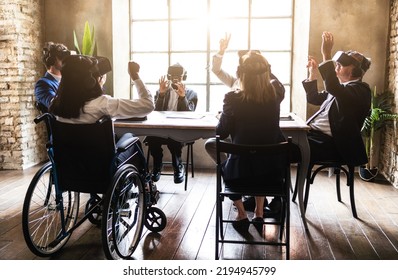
(226, 121)
(226, 78)
(327, 45)
(125, 108)
(279, 87)
(187, 102)
(45, 91)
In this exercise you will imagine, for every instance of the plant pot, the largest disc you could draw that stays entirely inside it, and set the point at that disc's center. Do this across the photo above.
(368, 174)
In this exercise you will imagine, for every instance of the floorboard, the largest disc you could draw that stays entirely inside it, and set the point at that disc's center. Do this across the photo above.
(333, 234)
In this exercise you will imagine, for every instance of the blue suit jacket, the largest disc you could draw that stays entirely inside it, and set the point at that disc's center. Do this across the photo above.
(46, 89)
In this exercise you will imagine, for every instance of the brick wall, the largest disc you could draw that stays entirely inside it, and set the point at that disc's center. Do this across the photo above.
(22, 143)
(389, 147)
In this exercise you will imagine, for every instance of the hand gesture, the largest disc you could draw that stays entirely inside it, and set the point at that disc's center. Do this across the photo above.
(224, 43)
(163, 85)
(312, 66)
(133, 69)
(327, 45)
(180, 89)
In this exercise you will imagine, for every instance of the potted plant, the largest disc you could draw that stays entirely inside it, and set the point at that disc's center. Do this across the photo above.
(380, 114)
(89, 45)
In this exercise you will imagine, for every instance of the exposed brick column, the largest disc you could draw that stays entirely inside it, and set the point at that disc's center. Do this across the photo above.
(389, 147)
(22, 143)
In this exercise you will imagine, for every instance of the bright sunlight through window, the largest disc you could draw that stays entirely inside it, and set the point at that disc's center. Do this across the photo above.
(164, 32)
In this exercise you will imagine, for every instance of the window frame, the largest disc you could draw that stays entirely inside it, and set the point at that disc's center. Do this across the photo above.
(211, 81)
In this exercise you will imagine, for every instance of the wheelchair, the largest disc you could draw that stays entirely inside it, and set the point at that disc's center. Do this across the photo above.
(83, 158)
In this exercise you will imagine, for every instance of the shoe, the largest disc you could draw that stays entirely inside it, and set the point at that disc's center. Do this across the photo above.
(249, 203)
(241, 225)
(179, 174)
(258, 223)
(156, 172)
(274, 208)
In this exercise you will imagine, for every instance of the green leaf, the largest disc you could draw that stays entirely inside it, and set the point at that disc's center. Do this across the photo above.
(76, 43)
(92, 48)
(87, 43)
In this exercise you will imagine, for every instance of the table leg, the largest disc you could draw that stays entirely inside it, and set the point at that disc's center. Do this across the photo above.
(300, 138)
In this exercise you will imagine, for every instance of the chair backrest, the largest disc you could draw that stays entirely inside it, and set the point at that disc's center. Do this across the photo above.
(83, 155)
(265, 165)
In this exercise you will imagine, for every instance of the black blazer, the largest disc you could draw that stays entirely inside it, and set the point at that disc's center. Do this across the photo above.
(350, 106)
(248, 123)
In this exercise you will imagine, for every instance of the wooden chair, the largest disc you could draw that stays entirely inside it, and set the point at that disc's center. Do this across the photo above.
(276, 183)
(338, 166)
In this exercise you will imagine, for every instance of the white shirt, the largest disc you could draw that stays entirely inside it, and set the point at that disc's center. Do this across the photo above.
(321, 121)
(226, 78)
(116, 108)
(58, 78)
(173, 100)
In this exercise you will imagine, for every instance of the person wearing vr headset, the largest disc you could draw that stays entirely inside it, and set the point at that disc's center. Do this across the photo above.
(46, 87)
(250, 116)
(335, 129)
(80, 98)
(232, 81)
(171, 96)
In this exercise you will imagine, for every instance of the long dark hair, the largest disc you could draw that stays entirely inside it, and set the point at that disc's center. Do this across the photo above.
(77, 86)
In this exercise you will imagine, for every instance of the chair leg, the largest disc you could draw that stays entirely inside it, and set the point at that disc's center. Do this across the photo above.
(351, 170)
(296, 184)
(189, 163)
(287, 235)
(283, 218)
(187, 168)
(192, 165)
(308, 183)
(219, 225)
(337, 172)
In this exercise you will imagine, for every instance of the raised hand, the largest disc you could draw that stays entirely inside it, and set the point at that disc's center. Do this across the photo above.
(163, 85)
(327, 45)
(224, 43)
(133, 69)
(312, 66)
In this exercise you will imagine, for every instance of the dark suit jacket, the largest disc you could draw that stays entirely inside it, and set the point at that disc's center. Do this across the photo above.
(351, 105)
(46, 89)
(249, 123)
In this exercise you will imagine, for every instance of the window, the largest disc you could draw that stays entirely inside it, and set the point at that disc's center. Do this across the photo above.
(164, 32)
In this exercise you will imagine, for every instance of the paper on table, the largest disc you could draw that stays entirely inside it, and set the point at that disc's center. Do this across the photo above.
(182, 115)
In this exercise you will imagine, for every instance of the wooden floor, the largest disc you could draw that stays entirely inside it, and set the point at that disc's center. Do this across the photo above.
(189, 235)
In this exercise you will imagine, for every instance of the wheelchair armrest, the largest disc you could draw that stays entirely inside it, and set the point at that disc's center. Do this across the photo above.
(45, 116)
(126, 143)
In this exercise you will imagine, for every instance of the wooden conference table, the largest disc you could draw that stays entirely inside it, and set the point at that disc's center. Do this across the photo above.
(191, 126)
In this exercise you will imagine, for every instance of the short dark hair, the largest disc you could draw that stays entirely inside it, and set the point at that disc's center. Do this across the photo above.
(51, 51)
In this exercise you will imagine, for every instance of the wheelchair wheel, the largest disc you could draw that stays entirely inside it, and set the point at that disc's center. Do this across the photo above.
(123, 214)
(95, 217)
(155, 219)
(43, 218)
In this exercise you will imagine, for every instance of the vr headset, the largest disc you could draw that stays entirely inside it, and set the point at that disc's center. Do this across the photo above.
(347, 58)
(176, 70)
(102, 66)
